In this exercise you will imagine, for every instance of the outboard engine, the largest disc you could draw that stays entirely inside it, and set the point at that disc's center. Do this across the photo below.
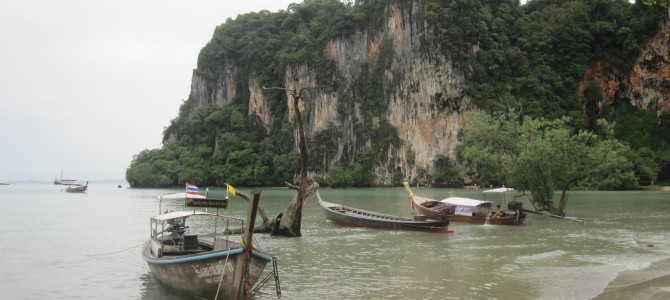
(515, 205)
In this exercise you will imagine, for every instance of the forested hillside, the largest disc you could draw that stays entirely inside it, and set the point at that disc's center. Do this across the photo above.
(396, 79)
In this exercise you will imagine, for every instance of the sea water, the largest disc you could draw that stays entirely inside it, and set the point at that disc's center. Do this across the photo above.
(58, 245)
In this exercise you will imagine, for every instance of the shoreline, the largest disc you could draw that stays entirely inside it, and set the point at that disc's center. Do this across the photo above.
(648, 283)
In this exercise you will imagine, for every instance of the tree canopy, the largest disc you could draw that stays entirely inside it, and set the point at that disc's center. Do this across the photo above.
(542, 156)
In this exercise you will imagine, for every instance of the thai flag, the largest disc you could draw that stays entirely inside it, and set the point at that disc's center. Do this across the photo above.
(191, 189)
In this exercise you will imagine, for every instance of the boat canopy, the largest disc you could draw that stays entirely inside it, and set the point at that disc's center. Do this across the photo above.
(466, 202)
(498, 190)
(180, 196)
(179, 214)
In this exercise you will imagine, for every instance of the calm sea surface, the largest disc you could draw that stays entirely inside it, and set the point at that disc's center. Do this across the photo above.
(57, 245)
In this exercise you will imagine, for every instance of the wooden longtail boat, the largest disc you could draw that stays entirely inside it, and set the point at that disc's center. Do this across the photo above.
(349, 216)
(77, 188)
(207, 264)
(466, 210)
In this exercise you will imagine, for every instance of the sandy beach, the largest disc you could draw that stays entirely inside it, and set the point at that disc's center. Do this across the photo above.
(649, 283)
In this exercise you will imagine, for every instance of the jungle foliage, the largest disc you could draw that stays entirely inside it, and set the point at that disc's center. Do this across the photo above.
(533, 55)
(542, 156)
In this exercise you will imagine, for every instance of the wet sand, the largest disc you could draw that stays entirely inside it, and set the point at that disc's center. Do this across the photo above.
(650, 283)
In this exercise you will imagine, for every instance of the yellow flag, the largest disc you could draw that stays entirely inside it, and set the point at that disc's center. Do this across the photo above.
(231, 189)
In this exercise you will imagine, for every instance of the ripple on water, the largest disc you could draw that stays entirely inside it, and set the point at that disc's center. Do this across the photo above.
(540, 256)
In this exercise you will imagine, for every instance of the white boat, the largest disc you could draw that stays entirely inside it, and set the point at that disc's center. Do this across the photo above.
(2, 182)
(62, 181)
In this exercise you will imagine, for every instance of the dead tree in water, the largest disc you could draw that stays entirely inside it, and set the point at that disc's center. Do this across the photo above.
(294, 211)
(289, 222)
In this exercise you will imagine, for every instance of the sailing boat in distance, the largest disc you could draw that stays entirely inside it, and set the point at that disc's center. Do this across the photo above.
(62, 181)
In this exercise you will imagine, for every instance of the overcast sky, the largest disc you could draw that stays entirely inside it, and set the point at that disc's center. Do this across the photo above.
(85, 85)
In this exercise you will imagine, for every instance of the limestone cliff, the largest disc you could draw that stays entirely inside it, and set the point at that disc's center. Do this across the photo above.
(649, 82)
(421, 88)
(647, 85)
(219, 92)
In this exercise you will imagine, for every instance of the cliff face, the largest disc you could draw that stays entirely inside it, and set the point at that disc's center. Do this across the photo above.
(647, 85)
(220, 93)
(422, 90)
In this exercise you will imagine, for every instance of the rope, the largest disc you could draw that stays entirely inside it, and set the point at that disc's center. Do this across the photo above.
(90, 255)
(222, 272)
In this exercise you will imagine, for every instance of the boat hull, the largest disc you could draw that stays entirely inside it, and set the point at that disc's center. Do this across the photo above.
(429, 212)
(506, 220)
(348, 216)
(79, 189)
(202, 274)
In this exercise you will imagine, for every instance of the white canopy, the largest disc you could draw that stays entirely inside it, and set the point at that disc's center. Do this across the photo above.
(179, 214)
(180, 196)
(464, 201)
(498, 190)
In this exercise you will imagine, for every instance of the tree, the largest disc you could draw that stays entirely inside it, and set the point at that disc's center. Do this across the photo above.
(658, 3)
(339, 177)
(289, 223)
(542, 156)
(446, 172)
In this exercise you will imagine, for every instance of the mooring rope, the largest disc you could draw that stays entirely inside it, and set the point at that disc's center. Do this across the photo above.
(89, 255)
(222, 272)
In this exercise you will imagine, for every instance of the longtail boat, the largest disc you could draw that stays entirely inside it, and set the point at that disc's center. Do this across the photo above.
(211, 263)
(467, 210)
(77, 188)
(349, 216)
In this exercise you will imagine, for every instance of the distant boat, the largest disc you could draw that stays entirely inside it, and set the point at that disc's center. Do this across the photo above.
(77, 188)
(62, 181)
(349, 216)
(2, 182)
